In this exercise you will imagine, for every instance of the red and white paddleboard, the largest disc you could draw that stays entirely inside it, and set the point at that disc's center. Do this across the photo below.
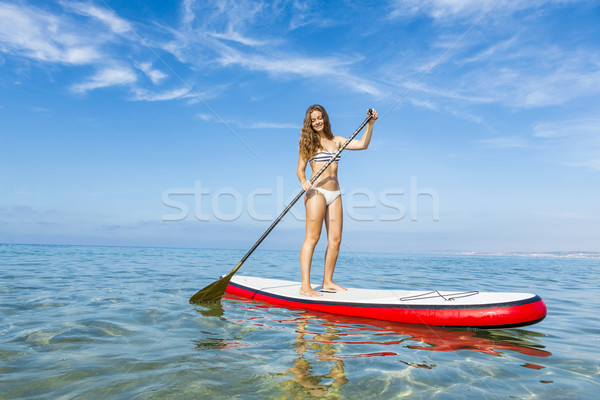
(464, 309)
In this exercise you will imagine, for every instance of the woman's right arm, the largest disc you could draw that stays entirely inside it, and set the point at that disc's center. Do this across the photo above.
(301, 172)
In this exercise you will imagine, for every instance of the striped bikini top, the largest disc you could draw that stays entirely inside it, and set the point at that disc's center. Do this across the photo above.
(324, 156)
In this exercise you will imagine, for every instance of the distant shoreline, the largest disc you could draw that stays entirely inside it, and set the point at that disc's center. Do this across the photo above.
(559, 254)
(541, 254)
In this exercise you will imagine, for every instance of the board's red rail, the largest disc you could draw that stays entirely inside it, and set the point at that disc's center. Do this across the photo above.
(503, 315)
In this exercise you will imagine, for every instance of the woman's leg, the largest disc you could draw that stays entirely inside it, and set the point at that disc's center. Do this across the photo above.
(333, 224)
(315, 212)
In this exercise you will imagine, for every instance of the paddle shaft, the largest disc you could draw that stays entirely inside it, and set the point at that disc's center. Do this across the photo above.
(313, 179)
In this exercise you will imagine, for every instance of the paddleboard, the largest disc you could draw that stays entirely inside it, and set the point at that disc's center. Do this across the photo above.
(437, 308)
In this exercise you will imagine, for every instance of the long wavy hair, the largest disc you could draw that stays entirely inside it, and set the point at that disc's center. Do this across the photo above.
(309, 139)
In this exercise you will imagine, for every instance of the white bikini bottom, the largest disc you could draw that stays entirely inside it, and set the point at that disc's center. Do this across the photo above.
(330, 195)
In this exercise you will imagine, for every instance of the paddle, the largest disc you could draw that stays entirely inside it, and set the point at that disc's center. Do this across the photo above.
(215, 290)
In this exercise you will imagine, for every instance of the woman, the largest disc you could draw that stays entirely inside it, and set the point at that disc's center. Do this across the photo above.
(322, 201)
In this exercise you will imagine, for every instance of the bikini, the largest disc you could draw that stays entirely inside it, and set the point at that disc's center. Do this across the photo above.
(330, 195)
(325, 156)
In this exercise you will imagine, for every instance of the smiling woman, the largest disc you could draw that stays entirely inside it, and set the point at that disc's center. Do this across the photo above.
(323, 203)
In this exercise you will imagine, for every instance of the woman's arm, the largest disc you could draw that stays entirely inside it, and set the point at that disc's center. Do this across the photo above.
(301, 172)
(363, 142)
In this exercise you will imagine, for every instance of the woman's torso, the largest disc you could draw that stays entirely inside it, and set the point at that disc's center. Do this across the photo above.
(328, 179)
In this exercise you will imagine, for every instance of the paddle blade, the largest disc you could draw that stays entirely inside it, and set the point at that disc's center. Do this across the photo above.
(213, 292)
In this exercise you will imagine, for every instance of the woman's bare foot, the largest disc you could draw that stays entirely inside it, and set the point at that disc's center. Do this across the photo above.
(333, 287)
(310, 292)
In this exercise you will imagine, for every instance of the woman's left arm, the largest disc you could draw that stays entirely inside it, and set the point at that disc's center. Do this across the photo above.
(363, 142)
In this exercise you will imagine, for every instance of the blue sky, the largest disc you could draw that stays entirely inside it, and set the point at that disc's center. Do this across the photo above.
(176, 123)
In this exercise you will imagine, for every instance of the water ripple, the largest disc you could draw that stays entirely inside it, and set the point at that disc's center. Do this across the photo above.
(111, 323)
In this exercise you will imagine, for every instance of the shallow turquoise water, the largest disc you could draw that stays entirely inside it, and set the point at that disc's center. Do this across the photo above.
(114, 323)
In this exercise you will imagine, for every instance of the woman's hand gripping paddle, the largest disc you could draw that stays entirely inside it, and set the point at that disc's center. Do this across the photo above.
(213, 292)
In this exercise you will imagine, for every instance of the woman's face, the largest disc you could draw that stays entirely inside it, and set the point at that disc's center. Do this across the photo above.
(316, 119)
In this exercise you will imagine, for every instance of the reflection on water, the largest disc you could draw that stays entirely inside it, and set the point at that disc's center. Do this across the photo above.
(321, 344)
(211, 310)
(209, 340)
(324, 341)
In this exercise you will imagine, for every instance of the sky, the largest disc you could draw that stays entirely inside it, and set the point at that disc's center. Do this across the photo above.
(152, 123)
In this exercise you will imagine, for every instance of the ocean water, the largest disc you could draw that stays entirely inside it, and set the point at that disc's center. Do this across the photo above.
(82, 322)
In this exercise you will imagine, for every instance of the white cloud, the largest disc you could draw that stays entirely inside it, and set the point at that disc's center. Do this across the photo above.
(206, 117)
(593, 163)
(439, 9)
(443, 10)
(492, 66)
(104, 15)
(450, 93)
(81, 55)
(188, 13)
(574, 142)
(557, 79)
(249, 125)
(314, 14)
(423, 103)
(273, 125)
(518, 73)
(228, 20)
(501, 61)
(37, 34)
(154, 74)
(78, 36)
(512, 142)
(583, 127)
(114, 76)
(307, 67)
(225, 26)
(33, 33)
(237, 37)
(502, 47)
(173, 94)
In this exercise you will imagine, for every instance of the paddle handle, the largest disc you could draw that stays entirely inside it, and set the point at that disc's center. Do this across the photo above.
(313, 179)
